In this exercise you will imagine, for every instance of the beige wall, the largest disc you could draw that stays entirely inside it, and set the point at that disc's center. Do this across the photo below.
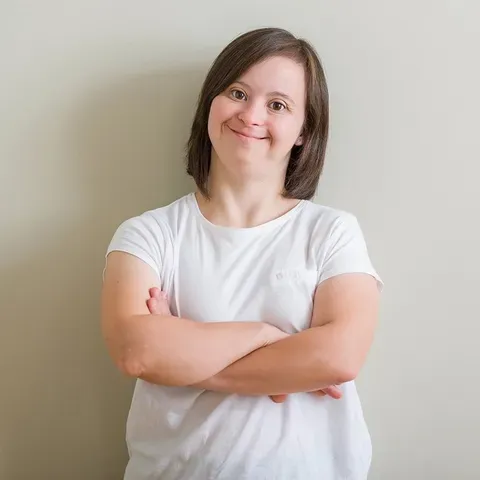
(94, 90)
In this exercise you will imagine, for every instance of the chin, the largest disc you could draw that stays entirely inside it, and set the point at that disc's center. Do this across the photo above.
(242, 156)
(236, 154)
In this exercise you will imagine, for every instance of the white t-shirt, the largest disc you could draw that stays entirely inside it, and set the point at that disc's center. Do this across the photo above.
(266, 273)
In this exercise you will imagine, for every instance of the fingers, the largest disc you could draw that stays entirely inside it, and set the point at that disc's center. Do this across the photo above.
(333, 391)
(155, 292)
(158, 302)
(152, 305)
(278, 398)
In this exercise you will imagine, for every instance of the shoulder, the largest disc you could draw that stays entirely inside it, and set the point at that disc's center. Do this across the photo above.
(325, 222)
(157, 220)
(339, 242)
(148, 235)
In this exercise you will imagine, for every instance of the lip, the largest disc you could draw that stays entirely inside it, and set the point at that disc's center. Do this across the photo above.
(246, 137)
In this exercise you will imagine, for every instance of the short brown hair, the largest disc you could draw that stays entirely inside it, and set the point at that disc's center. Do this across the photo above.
(306, 161)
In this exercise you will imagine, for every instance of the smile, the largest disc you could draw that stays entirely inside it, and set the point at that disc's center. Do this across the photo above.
(245, 137)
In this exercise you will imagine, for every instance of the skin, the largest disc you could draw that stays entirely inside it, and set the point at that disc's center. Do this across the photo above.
(162, 349)
(253, 126)
(157, 304)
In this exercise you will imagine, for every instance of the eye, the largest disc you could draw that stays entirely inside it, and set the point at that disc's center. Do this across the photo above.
(237, 94)
(277, 106)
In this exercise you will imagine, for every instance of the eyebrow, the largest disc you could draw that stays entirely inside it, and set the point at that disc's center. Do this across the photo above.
(271, 94)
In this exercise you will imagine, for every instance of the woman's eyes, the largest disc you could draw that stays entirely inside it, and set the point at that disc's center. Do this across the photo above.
(275, 105)
(238, 94)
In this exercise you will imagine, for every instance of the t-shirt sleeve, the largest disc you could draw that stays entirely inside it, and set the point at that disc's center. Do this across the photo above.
(144, 237)
(346, 251)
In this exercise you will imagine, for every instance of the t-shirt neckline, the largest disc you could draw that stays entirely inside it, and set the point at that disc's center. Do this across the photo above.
(271, 224)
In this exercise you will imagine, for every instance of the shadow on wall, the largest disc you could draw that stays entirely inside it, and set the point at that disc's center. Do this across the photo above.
(66, 404)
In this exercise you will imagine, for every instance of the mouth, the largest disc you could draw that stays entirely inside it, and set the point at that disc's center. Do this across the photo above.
(245, 137)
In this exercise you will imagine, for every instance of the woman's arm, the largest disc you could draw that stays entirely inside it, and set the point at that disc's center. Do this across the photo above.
(160, 348)
(331, 352)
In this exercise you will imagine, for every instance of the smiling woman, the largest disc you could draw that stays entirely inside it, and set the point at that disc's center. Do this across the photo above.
(245, 291)
(261, 117)
(276, 89)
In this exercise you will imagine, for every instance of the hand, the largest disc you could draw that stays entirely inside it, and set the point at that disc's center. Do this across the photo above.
(332, 391)
(158, 302)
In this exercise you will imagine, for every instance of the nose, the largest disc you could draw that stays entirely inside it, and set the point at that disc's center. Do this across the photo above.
(252, 113)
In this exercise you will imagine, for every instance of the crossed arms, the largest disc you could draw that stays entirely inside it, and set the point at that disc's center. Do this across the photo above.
(249, 358)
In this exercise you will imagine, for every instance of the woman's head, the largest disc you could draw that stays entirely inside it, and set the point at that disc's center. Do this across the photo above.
(264, 110)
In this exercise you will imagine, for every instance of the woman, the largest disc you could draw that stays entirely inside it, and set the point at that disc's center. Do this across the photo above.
(265, 295)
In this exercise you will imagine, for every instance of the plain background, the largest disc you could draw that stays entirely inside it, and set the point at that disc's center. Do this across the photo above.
(96, 99)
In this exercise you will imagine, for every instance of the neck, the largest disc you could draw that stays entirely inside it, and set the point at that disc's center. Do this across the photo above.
(242, 202)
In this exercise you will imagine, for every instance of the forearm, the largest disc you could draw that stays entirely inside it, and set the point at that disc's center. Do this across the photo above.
(176, 351)
(308, 361)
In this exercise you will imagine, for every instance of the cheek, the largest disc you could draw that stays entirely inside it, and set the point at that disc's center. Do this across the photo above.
(220, 112)
(213, 121)
(285, 134)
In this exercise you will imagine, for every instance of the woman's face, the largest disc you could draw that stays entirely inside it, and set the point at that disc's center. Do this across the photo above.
(256, 121)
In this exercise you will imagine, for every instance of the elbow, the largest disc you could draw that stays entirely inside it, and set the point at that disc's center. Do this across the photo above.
(343, 371)
(135, 365)
(126, 359)
(131, 364)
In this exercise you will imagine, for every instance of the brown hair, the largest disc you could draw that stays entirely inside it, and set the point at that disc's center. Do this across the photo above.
(306, 161)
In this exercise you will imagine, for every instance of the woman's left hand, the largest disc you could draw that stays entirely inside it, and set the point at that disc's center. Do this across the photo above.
(332, 391)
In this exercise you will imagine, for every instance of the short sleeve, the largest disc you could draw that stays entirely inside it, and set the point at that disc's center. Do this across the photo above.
(346, 251)
(144, 237)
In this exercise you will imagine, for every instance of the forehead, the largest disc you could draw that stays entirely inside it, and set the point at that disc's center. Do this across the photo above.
(276, 74)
